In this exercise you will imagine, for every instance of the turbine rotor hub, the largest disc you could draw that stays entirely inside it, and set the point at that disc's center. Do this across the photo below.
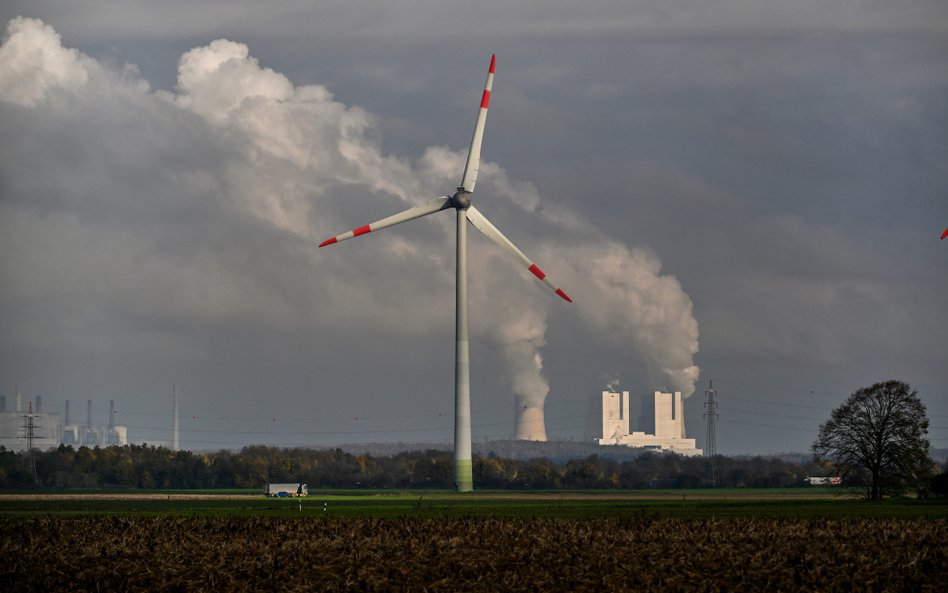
(462, 199)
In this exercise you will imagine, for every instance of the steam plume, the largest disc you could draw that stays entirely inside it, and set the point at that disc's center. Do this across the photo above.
(257, 165)
(622, 292)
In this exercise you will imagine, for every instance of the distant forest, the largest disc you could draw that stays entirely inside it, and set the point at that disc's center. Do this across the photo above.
(149, 467)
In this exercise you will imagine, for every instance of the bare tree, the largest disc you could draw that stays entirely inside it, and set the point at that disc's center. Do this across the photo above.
(878, 434)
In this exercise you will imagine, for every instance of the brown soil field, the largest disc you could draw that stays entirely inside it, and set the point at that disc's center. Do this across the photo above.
(656, 555)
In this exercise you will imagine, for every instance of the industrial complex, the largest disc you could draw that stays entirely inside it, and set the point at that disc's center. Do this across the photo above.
(654, 421)
(21, 428)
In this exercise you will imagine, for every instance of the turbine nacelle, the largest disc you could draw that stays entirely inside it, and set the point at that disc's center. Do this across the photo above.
(462, 199)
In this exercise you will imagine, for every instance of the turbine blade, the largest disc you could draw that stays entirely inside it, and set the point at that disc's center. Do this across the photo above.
(474, 154)
(428, 207)
(485, 226)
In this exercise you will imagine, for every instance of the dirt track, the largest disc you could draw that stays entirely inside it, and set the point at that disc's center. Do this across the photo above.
(122, 496)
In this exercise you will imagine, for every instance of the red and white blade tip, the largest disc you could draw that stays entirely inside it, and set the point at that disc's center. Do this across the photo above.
(362, 230)
(536, 271)
(944, 234)
(493, 61)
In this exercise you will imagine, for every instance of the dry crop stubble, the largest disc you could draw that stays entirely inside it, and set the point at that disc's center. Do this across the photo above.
(243, 554)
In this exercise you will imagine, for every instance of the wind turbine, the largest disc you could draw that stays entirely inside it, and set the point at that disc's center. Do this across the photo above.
(461, 202)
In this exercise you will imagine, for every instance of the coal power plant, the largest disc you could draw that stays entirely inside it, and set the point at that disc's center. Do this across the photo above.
(92, 434)
(26, 422)
(653, 421)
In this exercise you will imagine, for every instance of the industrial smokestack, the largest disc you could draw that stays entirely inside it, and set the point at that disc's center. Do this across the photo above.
(110, 436)
(19, 399)
(530, 424)
(39, 404)
(3, 403)
(89, 416)
(67, 413)
(174, 418)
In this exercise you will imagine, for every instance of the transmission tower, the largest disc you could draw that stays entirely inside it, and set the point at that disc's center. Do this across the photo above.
(29, 433)
(710, 450)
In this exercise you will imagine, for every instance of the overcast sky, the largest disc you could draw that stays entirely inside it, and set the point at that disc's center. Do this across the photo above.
(743, 192)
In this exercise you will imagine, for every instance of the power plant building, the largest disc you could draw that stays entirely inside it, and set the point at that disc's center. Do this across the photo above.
(90, 434)
(51, 430)
(654, 421)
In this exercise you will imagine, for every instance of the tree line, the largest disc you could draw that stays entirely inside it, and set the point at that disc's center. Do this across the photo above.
(876, 439)
(150, 467)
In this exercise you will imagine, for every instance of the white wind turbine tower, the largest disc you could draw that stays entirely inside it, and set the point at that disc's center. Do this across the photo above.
(461, 201)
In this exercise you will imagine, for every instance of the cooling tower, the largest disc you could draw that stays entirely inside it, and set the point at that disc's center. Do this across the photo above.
(530, 424)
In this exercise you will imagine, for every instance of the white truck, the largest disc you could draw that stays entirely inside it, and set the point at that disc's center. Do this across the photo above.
(286, 490)
(822, 480)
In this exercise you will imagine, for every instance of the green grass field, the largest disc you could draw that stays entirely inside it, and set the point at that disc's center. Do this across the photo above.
(694, 504)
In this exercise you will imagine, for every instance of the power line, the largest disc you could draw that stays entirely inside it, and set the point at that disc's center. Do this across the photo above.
(783, 388)
(740, 411)
(745, 423)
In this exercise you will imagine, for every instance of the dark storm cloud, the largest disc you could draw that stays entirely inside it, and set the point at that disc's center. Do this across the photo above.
(785, 163)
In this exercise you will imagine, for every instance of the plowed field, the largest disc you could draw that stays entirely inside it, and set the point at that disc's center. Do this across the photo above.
(234, 554)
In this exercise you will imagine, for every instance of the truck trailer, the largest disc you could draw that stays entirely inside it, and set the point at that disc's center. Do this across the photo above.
(286, 490)
(823, 480)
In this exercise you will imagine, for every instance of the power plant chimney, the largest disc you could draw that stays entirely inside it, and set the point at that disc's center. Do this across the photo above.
(67, 423)
(3, 403)
(39, 404)
(19, 399)
(110, 435)
(174, 418)
(89, 416)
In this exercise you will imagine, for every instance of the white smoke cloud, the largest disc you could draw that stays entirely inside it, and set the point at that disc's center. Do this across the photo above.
(34, 60)
(622, 293)
(215, 205)
(520, 332)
